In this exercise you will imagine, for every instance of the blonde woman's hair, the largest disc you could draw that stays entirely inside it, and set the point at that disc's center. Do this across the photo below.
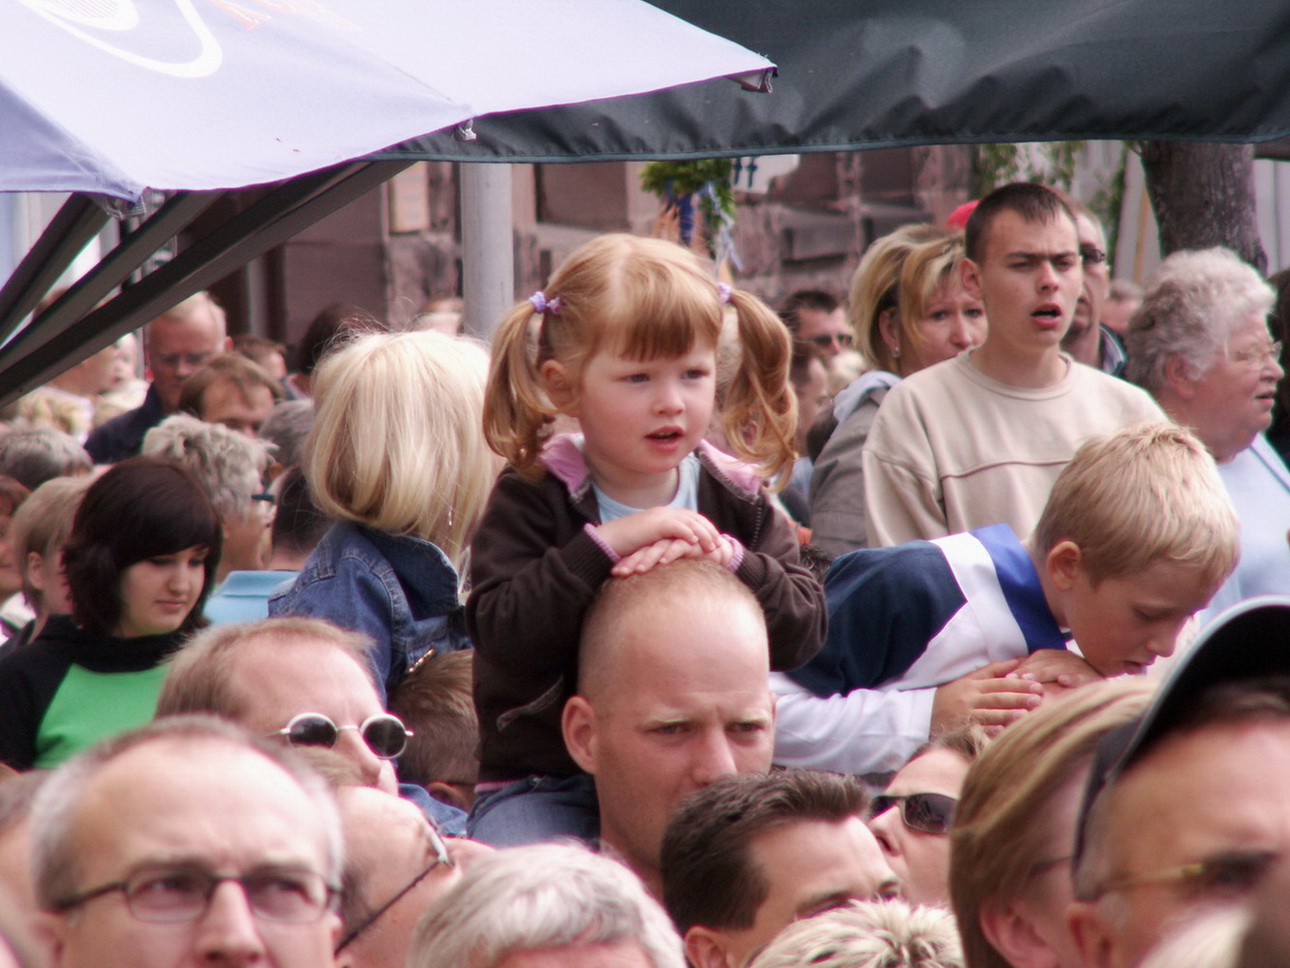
(647, 299)
(1138, 496)
(875, 288)
(1002, 829)
(925, 270)
(868, 934)
(41, 525)
(395, 443)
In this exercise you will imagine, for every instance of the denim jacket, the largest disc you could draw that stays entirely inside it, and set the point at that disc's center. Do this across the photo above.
(402, 592)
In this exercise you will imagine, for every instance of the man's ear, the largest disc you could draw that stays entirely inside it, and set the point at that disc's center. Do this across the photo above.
(1092, 935)
(1012, 935)
(447, 793)
(558, 384)
(706, 948)
(48, 931)
(1062, 563)
(970, 276)
(36, 571)
(578, 724)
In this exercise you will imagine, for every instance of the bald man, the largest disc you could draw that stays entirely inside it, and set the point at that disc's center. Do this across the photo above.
(672, 695)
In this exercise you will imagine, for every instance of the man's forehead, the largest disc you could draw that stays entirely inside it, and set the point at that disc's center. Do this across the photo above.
(1011, 232)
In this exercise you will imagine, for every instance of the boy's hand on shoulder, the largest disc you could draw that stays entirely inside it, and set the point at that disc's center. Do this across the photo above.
(1057, 666)
(636, 531)
(989, 696)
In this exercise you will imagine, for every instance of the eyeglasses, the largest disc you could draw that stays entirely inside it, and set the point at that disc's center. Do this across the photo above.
(442, 859)
(1231, 874)
(1091, 255)
(384, 734)
(930, 813)
(174, 894)
(1254, 357)
(172, 361)
(825, 340)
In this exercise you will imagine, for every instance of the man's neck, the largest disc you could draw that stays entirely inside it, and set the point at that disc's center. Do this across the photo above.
(647, 871)
(1086, 347)
(1044, 369)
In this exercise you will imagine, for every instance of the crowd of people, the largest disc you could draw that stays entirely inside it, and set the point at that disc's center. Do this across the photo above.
(942, 627)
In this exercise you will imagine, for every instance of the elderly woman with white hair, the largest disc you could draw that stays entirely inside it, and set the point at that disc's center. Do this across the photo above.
(1200, 345)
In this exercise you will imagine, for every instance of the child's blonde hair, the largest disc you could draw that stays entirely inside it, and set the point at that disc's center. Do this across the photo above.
(1141, 495)
(647, 299)
(395, 443)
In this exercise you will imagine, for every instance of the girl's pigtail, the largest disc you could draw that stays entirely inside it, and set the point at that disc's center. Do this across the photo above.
(760, 413)
(517, 413)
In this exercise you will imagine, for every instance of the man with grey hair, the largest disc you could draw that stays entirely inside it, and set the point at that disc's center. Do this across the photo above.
(1200, 345)
(176, 344)
(546, 906)
(186, 842)
(1188, 805)
(232, 466)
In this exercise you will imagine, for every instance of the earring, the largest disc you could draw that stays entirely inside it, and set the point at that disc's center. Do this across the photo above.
(895, 352)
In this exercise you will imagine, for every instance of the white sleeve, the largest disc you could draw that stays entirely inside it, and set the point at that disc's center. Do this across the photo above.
(864, 731)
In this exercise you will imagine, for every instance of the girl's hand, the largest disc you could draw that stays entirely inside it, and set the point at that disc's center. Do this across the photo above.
(668, 550)
(636, 531)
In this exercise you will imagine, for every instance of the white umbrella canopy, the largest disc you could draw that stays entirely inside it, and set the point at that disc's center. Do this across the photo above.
(114, 96)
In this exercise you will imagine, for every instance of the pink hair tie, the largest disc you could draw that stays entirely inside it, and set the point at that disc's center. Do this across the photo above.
(543, 305)
(724, 291)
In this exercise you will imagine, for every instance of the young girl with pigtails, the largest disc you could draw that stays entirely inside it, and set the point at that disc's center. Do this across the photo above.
(624, 340)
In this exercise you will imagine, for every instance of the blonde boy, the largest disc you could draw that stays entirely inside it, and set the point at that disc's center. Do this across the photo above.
(1137, 535)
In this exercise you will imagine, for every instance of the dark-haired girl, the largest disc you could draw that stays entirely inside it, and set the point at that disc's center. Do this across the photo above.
(140, 562)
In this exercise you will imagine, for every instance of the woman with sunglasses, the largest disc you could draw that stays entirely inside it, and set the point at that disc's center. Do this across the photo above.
(911, 819)
(140, 561)
(909, 310)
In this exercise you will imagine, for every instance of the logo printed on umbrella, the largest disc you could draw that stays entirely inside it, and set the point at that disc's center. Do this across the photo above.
(122, 16)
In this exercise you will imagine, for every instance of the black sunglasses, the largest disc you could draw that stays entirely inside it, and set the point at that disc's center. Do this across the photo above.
(931, 813)
(385, 735)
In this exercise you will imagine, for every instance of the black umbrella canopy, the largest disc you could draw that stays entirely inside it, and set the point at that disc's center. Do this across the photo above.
(880, 73)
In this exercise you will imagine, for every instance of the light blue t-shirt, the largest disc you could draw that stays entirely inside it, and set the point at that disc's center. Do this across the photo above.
(687, 494)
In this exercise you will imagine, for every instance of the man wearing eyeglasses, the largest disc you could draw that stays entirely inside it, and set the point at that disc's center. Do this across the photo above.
(396, 867)
(300, 682)
(1087, 340)
(176, 345)
(1188, 806)
(748, 855)
(815, 317)
(186, 842)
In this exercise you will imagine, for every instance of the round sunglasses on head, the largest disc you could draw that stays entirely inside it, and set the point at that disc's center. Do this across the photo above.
(930, 813)
(385, 735)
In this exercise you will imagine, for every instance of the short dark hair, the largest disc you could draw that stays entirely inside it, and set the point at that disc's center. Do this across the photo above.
(235, 368)
(435, 700)
(334, 324)
(298, 525)
(1032, 201)
(708, 874)
(814, 299)
(140, 508)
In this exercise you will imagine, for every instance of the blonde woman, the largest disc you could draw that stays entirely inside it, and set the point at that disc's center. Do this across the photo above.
(397, 457)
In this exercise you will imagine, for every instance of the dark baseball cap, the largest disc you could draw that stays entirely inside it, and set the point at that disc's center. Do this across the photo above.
(1248, 641)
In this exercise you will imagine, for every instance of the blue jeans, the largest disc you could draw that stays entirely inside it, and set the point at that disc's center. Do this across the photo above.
(535, 810)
